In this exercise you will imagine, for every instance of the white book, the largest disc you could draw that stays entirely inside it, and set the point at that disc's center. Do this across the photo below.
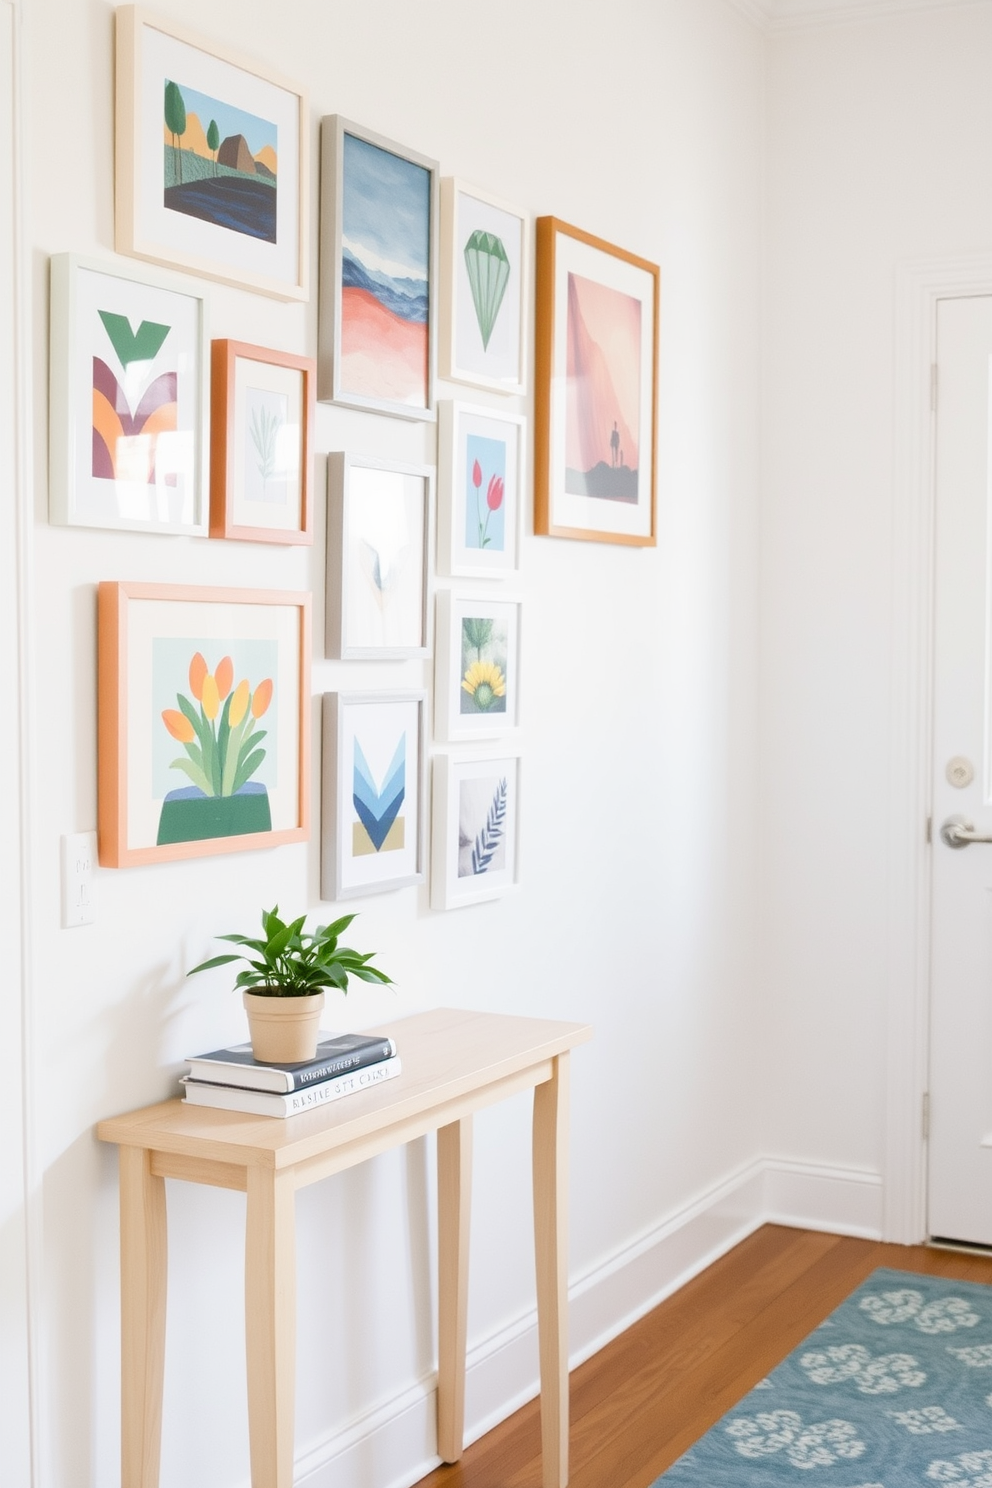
(266, 1103)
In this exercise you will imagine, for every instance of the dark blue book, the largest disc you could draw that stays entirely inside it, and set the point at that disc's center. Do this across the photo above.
(337, 1054)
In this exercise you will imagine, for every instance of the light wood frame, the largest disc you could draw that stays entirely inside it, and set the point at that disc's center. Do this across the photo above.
(454, 559)
(113, 605)
(137, 238)
(549, 392)
(339, 642)
(335, 817)
(224, 356)
(452, 189)
(448, 891)
(333, 129)
(68, 358)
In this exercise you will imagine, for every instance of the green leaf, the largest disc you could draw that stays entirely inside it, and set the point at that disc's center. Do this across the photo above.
(247, 769)
(194, 772)
(223, 735)
(214, 961)
(232, 757)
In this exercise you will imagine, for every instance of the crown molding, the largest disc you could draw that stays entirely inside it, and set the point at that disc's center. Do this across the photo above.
(775, 16)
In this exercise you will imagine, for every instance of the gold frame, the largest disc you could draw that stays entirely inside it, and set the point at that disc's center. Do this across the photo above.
(549, 229)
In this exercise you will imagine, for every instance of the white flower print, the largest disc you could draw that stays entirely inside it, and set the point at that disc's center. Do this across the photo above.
(870, 1376)
(805, 1447)
(970, 1469)
(977, 1357)
(907, 1306)
(929, 1419)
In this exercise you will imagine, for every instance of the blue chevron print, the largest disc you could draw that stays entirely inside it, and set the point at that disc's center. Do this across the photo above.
(377, 809)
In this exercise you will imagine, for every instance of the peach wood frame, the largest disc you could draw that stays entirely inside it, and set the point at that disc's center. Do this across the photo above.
(548, 231)
(128, 237)
(112, 784)
(223, 355)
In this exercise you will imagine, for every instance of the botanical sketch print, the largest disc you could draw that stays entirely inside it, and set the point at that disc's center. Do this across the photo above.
(271, 447)
(221, 163)
(135, 403)
(485, 487)
(603, 392)
(380, 828)
(225, 689)
(482, 805)
(483, 665)
(385, 258)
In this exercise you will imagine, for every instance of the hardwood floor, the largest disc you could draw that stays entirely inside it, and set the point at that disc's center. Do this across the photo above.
(641, 1401)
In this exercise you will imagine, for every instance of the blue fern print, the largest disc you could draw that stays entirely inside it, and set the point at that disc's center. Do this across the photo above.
(488, 839)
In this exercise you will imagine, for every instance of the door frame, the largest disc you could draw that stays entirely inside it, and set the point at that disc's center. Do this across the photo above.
(920, 285)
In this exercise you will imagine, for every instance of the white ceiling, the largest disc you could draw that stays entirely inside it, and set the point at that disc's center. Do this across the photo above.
(793, 15)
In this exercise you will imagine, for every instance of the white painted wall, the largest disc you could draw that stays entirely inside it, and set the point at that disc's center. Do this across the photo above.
(642, 123)
(879, 147)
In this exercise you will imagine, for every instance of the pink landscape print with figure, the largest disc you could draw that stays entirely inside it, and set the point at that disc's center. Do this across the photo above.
(603, 394)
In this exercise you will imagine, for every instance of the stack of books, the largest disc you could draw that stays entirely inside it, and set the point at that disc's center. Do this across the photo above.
(345, 1063)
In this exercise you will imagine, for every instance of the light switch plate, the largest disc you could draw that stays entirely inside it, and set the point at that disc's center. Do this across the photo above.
(78, 858)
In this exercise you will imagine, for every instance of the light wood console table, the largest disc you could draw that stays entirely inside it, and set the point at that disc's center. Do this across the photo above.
(454, 1063)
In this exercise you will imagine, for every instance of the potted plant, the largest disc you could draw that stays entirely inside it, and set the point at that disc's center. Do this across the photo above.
(283, 987)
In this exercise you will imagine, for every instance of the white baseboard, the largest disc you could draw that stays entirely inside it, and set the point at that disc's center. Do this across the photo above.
(393, 1445)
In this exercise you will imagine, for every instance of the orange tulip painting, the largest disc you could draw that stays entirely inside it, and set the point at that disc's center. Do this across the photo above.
(219, 731)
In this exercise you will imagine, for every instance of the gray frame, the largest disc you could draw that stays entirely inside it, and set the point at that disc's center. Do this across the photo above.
(332, 812)
(333, 128)
(338, 643)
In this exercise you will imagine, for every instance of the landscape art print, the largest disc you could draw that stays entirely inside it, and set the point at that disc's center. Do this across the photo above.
(596, 377)
(128, 399)
(603, 392)
(221, 163)
(211, 158)
(385, 263)
(372, 791)
(484, 249)
(475, 828)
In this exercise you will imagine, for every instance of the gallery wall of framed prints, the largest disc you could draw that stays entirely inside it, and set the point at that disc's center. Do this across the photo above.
(204, 692)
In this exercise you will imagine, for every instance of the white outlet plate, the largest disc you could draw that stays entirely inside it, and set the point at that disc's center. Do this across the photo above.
(78, 858)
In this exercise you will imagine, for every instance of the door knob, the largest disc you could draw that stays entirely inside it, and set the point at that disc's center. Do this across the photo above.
(957, 831)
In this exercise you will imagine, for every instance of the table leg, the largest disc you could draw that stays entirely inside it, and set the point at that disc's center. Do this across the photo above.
(454, 1196)
(143, 1284)
(270, 1325)
(551, 1244)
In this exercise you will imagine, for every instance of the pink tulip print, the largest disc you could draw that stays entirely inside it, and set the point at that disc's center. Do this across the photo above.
(486, 489)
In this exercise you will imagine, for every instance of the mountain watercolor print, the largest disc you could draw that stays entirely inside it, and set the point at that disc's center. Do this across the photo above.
(385, 254)
(221, 163)
(603, 392)
(133, 405)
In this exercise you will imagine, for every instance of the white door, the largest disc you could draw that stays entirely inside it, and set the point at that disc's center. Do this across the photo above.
(960, 1168)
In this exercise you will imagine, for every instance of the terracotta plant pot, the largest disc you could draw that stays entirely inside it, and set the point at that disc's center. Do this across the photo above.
(284, 1030)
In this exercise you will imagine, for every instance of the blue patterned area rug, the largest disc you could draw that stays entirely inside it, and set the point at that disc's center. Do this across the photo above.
(894, 1390)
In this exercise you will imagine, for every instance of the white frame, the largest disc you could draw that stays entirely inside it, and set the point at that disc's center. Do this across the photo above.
(337, 577)
(454, 559)
(452, 269)
(334, 813)
(140, 238)
(333, 129)
(449, 771)
(63, 430)
(450, 724)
